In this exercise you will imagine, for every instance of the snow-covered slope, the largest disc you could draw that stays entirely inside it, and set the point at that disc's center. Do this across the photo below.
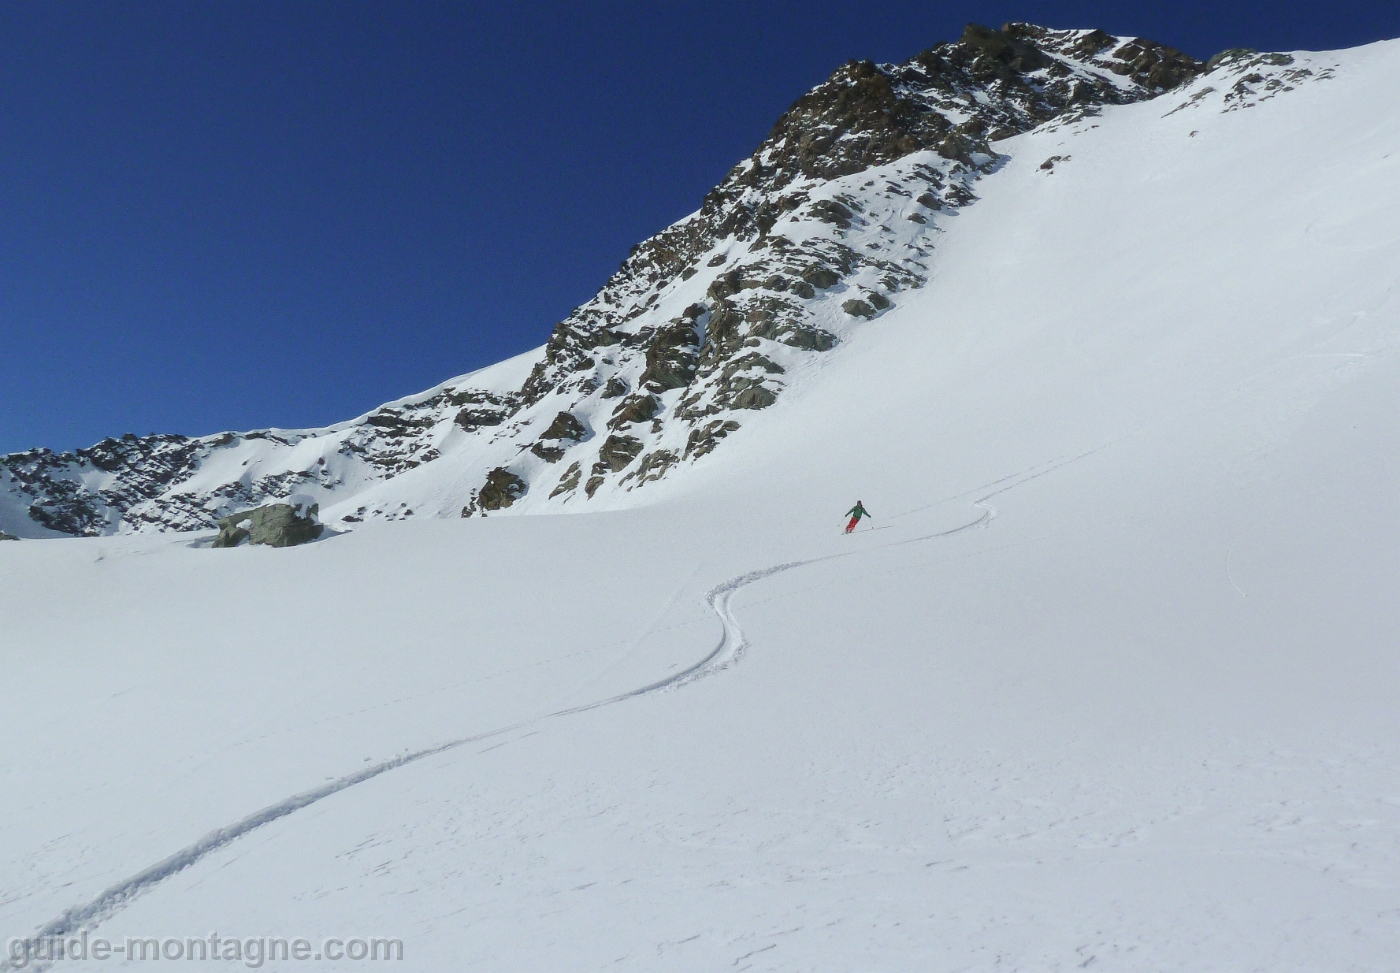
(1108, 683)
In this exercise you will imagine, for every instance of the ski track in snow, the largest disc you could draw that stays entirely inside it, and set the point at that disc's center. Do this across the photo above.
(729, 650)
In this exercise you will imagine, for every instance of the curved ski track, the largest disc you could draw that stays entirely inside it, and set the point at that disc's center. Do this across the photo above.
(729, 649)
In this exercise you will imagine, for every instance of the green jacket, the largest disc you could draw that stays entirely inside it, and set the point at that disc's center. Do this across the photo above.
(857, 512)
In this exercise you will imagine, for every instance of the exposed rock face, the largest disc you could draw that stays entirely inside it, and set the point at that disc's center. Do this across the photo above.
(473, 419)
(275, 525)
(652, 466)
(142, 483)
(634, 408)
(501, 489)
(704, 439)
(953, 99)
(569, 482)
(1257, 77)
(7, 537)
(827, 224)
(1154, 66)
(565, 426)
(564, 431)
(616, 453)
(548, 453)
(674, 352)
(137, 469)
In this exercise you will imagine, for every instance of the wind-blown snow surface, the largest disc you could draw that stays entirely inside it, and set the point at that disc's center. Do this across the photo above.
(1112, 683)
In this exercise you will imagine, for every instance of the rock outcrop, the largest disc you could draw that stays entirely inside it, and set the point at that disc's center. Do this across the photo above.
(501, 489)
(274, 525)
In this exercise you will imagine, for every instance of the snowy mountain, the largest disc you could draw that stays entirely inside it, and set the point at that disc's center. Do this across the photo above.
(823, 228)
(1107, 682)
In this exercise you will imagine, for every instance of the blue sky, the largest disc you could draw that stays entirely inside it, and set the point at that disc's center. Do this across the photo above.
(229, 215)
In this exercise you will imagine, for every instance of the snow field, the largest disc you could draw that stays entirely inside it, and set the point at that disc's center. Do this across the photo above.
(1111, 687)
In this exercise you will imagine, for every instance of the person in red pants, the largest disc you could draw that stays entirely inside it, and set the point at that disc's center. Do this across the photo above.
(856, 512)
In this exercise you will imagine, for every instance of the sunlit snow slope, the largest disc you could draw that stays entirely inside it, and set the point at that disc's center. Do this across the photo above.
(1109, 682)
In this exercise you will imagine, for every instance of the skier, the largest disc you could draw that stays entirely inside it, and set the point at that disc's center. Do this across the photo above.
(856, 512)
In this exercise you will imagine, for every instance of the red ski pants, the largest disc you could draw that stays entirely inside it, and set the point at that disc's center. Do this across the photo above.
(852, 525)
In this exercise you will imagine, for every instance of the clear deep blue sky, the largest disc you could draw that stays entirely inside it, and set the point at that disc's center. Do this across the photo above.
(229, 215)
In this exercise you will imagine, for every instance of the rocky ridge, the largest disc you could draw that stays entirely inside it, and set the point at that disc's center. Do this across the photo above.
(821, 229)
